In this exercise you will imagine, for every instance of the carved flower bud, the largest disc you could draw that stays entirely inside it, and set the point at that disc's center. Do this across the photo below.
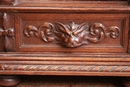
(31, 33)
(5, 32)
(113, 35)
(48, 31)
(10, 32)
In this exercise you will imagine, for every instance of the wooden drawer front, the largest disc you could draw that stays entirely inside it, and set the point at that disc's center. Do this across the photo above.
(66, 32)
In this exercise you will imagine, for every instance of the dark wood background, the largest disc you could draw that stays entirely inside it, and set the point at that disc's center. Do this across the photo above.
(70, 81)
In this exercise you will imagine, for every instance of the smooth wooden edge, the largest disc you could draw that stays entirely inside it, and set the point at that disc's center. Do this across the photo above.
(64, 9)
(71, 3)
(52, 73)
(46, 56)
(117, 6)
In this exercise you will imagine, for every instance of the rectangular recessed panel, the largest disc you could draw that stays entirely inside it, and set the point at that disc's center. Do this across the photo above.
(71, 32)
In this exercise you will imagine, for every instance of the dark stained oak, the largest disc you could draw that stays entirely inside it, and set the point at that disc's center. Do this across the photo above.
(127, 82)
(69, 81)
(64, 38)
(9, 80)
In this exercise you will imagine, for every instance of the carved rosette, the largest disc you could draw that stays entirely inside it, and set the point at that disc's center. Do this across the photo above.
(72, 35)
(7, 31)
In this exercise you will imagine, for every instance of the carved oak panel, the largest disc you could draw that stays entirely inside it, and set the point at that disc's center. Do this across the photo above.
(71, 32)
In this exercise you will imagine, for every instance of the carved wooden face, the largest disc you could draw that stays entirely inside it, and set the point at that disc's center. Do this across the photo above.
(71, 35)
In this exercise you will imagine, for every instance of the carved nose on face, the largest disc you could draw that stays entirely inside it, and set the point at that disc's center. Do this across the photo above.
(71, 40)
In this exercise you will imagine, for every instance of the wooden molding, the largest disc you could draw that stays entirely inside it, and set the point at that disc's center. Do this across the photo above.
(66, 69)
(52, 65)
(7, 2)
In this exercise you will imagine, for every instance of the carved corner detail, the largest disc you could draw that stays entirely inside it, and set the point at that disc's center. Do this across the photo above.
(72, 35)
(7, 31)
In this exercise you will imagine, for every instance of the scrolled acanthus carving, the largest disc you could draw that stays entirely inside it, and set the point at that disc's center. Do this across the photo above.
(99, 31)
(72, 35)
(43, 32)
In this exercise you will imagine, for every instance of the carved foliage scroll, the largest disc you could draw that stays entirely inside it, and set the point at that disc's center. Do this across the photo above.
(7, 31)
(43, 32)
(72, 35)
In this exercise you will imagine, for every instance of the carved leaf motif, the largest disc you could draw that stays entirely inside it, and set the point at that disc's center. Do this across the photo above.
(97, 30)
(8, 21)
(47, 32)
(100, 32)
(30, 31)
(81, 28)
(1, 30)
(72, 35)
(43, 32)
(62, 28)
(113, 31)
(9, 44)
(8, 32)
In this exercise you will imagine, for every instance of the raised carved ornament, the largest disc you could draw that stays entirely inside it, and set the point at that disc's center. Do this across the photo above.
(7, 31)
(72, 35)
